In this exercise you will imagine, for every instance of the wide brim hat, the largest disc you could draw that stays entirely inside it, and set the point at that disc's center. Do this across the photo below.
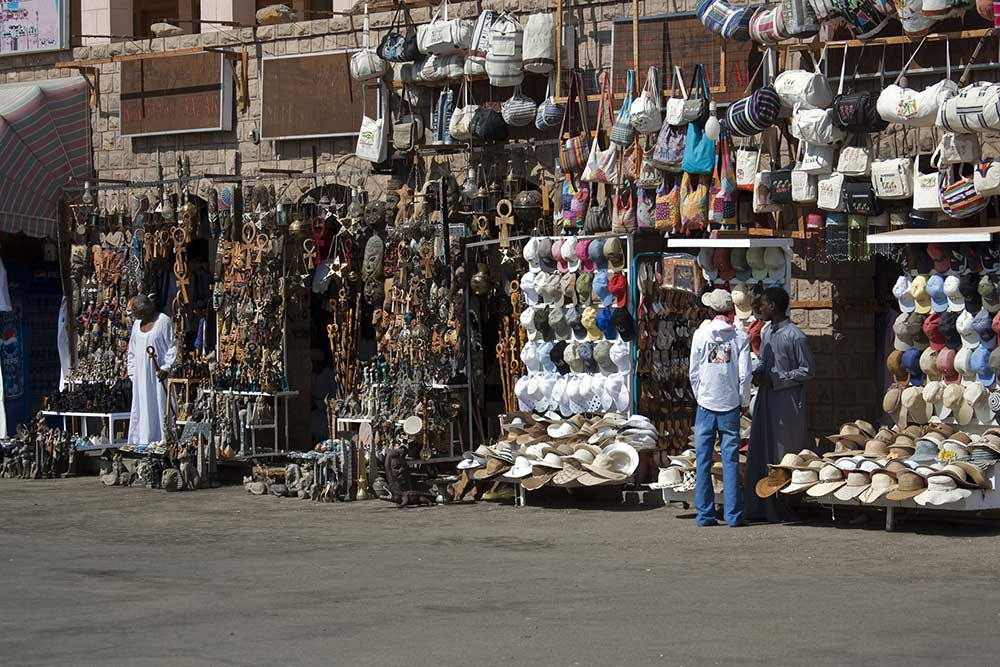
(850, 492)
(824, 488)
(494, 468)
(900, 493)
(625, 456)
(941, 495)
(794, 487)
(776, 479)
(876, 491)
(539, 478)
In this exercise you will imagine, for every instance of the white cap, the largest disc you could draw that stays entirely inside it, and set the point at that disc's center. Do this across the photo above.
(901, 291)
(956, 302)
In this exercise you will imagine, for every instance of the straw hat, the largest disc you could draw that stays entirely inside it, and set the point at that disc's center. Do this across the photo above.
(831, 478)
(883, 481)
(908, 485)
(857, 432)
(941, 490)
(776, 479)
(604, 469)
(790, 462)
(802, 480)
(539, 478)
(667, 478)
(626, 457)
(494, 468)
(857, 482)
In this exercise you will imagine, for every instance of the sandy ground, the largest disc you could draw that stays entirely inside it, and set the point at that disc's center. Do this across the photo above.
(135, 577)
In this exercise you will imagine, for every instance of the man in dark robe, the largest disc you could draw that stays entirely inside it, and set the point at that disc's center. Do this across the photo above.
(780, 422)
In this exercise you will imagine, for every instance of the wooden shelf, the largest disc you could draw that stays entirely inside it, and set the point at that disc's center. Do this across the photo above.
(934, 235)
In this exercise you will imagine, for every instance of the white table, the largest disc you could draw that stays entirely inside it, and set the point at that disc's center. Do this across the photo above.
(108, 418)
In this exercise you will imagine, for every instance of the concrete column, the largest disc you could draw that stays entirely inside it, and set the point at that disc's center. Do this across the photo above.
(105, 17)
(241, 11)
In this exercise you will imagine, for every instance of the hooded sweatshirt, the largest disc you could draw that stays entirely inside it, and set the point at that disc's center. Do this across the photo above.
(720, 366)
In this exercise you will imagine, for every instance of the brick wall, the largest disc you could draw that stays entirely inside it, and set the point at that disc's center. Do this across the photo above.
(842, 337)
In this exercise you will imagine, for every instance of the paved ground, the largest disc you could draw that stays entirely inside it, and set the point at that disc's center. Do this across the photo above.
(134, 577)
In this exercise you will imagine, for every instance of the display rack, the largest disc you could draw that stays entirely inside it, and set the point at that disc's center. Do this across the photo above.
(934, 235)
(283, 396)
(108, 418)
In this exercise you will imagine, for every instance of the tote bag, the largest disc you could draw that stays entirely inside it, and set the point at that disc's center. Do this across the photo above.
(574, 151)
(602, 165)
(645, 116)
(699, 151)
(622, 132)
(372, 144)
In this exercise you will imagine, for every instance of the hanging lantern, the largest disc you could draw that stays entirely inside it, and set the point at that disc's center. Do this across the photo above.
(284, 211)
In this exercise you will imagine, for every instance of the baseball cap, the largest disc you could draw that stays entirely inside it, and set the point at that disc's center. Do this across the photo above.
(911, 362)
(946, 365)
(742, 300)
(968, 285)
(956, 302)
(949, 330)
(935, 290)
(582, 251)
(605, 324)
(983, 324)
(557, 255)
(774, 259)
(601, 290)
(613, 253)
(970, 338)
(933, 333)
(596, 252)
(723, 264)
(718, 300)
(584, 287)
(758, 268)
(922, 302)
(624, 324)
(901, 290)
(530, 254)
(545, 256)
(988, 293)
(940, 257)
(618, 287)
(569, 253)
(979, 364)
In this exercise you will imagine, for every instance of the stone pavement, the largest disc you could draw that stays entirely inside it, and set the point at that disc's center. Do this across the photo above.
(135, 577)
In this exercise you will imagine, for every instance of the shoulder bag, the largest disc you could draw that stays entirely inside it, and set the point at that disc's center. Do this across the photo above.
(803, 89)
(976, 107)
(646, 116)
(816, 127)
(458, 126)
(624, 216)
(668, 212)
(855, 158)
(519, 110)
(957, 149)
(408, 130)
(912, 108)
(372, 145)
(803, 183)
(674, 109)
(893, 178)
(399, 45)
(443, 35)
(573, 152)
(622, 132)
(602, 165)
(753, 114)
(860, 199)
(856, 112)
(926, 187)
(747, 163)
(366, 64)
(479, 44)
(986, 179)
(696, 106)
(867, 18)
(959, 198)
(830, 192)
(799, 18)
(550, 113)
(444, 110)
(694, 203)
(504, 59)
(699, 149)
(488, 125)
(767, 26)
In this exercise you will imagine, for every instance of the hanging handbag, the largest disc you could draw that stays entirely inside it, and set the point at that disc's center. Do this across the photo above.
(860, 199)
(696, 106)
(668, 213)
(723, 194)
(458, 126)
(959, 198)
(816, 127)
(598, 219)
(856, 112)
(479, 44)
(986, 180)
(916, 108)
(581, 204)
(815, 159)
(519, 110)
(399, 45)
(976, 107)
(668, 154)
(803, 89)
(781, 185)
(803, 183)
(767, 26)
(674, 109)
(372, 145)
(762, 202)
(926, 187)
(573, 152)
(830, 192)
(550, 113)
(855, 160)
(646, 116)
(649, 176)
(431, 69)
(957, 149)
(407, 130)
(624, 216)
(694, 203)
(799, 18)
(622, 132)
(866, 18)
(540, 44)
(366, 64)
(602, 165)
(699, 151)
(754, 113)
(443, 35)
(893, 178)
(488, 125)
(504, 59)
(824, 10)
(645, 208)
(747, 163)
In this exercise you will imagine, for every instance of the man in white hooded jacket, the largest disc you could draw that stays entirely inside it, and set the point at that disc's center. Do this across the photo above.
(720, 377)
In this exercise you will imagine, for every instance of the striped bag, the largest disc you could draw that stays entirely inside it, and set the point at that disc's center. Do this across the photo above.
(976, 108)
(754, 114)
(959, 198)
(622, 132)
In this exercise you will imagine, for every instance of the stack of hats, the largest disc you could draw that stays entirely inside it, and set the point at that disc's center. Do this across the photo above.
(548, 450)
(946, 357)
(932, 465)
(725, 266)
(577, 323)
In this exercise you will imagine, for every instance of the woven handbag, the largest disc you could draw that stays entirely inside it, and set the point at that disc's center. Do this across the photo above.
(550, 113)
(753, 114)
(519, 110)
(603, 165)
(959, 198)
(573, 152)
(622, 132)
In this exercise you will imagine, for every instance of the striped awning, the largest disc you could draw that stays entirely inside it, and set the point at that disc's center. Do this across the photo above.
(44, 141)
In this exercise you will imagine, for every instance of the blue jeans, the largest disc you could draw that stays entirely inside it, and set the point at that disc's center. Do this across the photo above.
(727, 424)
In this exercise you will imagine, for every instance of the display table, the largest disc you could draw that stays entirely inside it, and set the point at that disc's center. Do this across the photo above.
(107, 418)
(275, 397)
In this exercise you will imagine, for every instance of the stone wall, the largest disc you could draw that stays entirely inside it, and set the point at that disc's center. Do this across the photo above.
(842, 336)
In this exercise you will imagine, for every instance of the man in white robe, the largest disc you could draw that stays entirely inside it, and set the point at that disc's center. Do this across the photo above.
(149, 396)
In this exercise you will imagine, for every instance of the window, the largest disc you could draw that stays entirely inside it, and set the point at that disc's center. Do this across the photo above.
(183, 13)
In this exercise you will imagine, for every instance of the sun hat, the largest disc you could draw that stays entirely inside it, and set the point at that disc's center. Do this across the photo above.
(596, 252)
(956, 302)
(540, 476)
(471, 461)
(604, 323)
(667, 478)
(777, 479)
(789, 462)
(856, 483)
(582, 252)
(857, 432)
(830, 478)
(530, 254)
(941, 490)
(618, 287)
(882, 482)
(922, 302)
(988, 293)
(738, 258)
(908, 485)
(601, 290)
(602, 470)
(875, 449)
(718, 300)
(935, 290)
(801, 480)
(758, 268)
(521, 468)
(494, 468)
(939, 428)
(613, 253)
(901, 290)
(626, 457)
